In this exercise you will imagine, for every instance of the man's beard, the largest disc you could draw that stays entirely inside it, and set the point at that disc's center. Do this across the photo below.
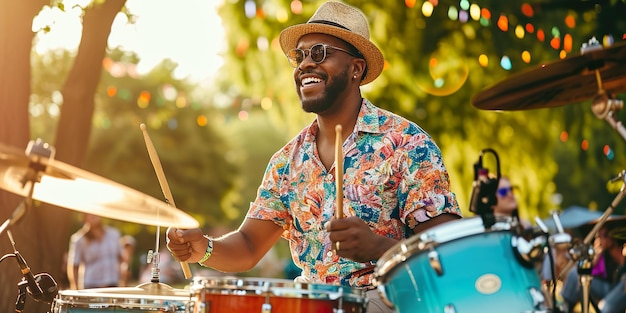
(331, 93)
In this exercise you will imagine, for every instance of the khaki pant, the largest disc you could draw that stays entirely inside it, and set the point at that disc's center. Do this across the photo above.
(375, 303)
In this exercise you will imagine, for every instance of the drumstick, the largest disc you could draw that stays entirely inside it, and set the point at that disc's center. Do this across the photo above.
(339, 170)
(156, 163)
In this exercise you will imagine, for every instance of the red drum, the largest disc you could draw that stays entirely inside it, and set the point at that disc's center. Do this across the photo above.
(244, 295)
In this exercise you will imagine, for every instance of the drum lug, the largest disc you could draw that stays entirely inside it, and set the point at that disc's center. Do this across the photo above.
(538, 298)
(339, 301)
(433, 259)
(528, 252)
(267, 306)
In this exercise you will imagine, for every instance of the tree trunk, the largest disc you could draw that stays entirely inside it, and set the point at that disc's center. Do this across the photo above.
(75, 122)
(16, 38)
(41, 236)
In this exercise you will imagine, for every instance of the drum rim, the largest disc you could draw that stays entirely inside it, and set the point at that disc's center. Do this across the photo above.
(101, 293)
(435, 236)
(199, 284)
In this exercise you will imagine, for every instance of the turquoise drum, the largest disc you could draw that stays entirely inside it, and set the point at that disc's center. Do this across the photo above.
(461, 267)
(122, 300)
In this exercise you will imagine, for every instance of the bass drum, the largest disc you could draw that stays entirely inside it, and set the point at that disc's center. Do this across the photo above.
(459, 267)
(244, 295)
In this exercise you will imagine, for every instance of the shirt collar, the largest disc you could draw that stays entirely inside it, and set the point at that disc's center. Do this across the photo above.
(368, 120)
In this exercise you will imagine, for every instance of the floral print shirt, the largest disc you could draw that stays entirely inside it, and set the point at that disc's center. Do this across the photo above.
(394, 179)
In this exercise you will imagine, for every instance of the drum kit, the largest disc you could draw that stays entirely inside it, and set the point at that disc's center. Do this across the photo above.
(433, 271)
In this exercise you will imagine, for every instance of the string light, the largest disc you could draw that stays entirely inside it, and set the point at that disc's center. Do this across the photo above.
(505, 63)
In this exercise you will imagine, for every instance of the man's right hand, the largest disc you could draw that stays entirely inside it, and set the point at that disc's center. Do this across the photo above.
(186, 245)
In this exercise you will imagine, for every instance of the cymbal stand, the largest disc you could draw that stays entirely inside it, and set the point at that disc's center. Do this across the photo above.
(154, 258)
(583, 252)
(19, 211)
(605, 107)
(36, 148)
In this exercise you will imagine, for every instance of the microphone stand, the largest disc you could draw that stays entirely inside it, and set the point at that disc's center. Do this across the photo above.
(21, 297)
(19, 211)
(17, 214)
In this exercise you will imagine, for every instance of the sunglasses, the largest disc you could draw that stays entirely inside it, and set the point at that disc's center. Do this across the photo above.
(317, 52)
(505, 191)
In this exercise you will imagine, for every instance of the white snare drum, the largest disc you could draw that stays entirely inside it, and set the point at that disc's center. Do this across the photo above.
(244, 295)
(127, 300)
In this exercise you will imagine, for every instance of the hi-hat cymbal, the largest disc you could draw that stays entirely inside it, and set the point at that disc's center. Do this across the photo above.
(143, 290)
(66, 186)
(563, 82)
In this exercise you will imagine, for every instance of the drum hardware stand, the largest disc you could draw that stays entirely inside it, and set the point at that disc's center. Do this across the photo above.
(36, 149)
(559, 239)
(605, 108)
(19, 211)
(583, 252)
(21, 297)
(41, 287)
(154, 258)
(603, 105)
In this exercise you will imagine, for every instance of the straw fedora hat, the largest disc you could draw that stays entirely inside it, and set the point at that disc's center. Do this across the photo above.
(344, 22)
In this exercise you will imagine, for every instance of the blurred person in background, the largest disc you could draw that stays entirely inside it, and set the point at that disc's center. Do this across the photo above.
(607, 284)
(95, 255)
(507, 202)
(128, 243)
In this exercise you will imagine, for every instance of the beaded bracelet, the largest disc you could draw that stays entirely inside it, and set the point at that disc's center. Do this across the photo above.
(208, 252)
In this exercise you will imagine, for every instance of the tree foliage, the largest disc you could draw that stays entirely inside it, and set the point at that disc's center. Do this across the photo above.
(438, 96)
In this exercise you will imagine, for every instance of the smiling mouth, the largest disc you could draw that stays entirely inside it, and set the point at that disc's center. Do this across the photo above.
(310, 81)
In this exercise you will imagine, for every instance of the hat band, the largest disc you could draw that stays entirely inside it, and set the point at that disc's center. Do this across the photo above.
(329, 23)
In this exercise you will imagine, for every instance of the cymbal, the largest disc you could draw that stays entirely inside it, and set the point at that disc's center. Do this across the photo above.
(143, 290)
(66, 186)
(615, 224)
(559, 83)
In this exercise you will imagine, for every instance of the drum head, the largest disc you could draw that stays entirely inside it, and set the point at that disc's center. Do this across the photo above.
(131, 299)
(276, 287)
(432, 238)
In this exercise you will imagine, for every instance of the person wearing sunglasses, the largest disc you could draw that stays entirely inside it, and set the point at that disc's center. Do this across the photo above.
(507, 202)
(394, 181)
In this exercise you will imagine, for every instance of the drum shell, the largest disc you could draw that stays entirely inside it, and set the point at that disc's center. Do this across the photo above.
(115, 300)
(243, 295)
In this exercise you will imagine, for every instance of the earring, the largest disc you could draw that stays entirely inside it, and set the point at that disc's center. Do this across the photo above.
(354, 76)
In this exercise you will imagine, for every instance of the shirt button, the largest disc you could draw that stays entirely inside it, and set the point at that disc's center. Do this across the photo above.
(330, 177)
